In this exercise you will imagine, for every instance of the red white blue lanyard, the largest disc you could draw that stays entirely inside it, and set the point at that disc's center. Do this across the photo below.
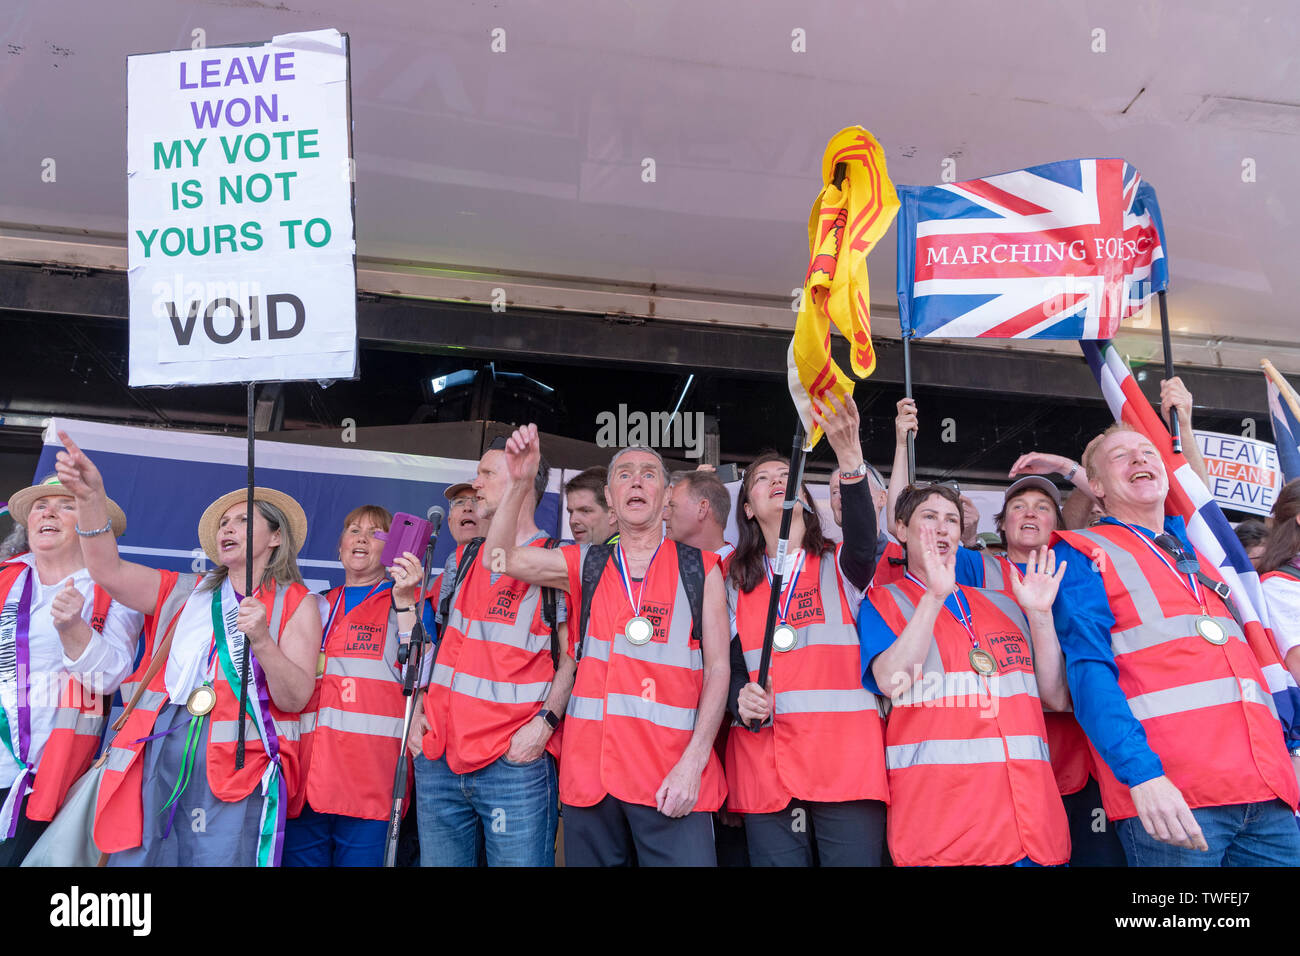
(624, 575)
(1191, 582)
(787, 586)
(338, 603)
(962, 615)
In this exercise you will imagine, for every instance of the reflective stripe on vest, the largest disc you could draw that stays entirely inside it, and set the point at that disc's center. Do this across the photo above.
(979, 750)
(480, 688)
(1198, 702)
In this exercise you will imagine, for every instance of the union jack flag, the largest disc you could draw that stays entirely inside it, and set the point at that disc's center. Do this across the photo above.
(1061, 251)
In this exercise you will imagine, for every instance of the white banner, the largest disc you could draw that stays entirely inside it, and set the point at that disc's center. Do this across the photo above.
(240, 241)
(1243, 472)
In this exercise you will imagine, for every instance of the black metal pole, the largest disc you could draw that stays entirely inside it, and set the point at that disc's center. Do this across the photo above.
(1169, 370)
(248, 588)
(793, 483)
(907, 390)
(414, 665)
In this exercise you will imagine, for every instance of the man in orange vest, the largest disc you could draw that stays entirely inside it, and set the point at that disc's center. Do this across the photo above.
(1191, 757)
(639, 778)
(500, 680)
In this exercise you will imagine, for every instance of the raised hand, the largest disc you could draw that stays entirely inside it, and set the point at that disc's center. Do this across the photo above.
(940, 569)
(76, 471)
(405, 573)
(906, 420)
(523, 454)
(1041, 463)
(842, 427)
(1174, 396)
(1036, 590)
(66, 607)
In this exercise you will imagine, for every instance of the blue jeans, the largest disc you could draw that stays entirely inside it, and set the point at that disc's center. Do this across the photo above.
(515, 807)
(1243, 834)
(331, 839)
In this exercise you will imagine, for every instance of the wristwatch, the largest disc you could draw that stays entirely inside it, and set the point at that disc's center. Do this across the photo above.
(857, 472)
(551, 720)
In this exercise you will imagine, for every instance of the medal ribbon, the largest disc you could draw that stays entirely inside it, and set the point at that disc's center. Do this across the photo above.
(270, 843)
(625, 576)
(1188, 581)
(787, 586)
(962, 615)
(9, 813)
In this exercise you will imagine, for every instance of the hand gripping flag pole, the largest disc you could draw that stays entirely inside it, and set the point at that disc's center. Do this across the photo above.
(248, 588)
(793, 482)
(1169, 371)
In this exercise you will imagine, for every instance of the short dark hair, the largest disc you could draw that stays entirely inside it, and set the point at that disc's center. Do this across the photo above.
(1251, 532)
(914, 496)
(591, 479)
(707, 485)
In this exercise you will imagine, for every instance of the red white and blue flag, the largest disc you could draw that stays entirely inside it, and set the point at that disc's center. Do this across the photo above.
(1062, 251)
(1207, 526)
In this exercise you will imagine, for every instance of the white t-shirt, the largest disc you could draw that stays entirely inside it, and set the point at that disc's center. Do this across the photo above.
(102, 666)
(1283, 596)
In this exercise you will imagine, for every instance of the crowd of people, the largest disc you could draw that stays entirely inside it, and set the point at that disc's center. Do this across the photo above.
(1081, 693)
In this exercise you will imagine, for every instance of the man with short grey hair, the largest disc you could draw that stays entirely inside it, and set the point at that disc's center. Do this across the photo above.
(697, 510)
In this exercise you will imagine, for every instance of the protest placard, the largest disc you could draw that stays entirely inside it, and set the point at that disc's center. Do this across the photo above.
(1243, 472)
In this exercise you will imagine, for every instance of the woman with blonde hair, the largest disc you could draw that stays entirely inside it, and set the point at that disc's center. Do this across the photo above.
(177, 791)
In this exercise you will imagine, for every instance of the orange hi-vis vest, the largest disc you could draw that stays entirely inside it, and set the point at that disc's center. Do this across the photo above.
(888, 571)
(119, 806)
(826, 740)
(632, 711)
(970, 781)
(78, 719)
(1071, 760)
(352, 729)
(493, 670)
(1206, 708)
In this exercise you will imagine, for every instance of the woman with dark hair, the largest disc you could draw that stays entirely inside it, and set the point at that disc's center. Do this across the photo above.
(812, 777)
(970, 779)
(174, 791)
(1279, 571)
(352, 729)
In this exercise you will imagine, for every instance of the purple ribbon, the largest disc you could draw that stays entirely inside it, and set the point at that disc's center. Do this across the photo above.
(272, 750)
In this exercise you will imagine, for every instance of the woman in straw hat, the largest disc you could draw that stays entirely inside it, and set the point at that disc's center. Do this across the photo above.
(173, 792)
(64, 646)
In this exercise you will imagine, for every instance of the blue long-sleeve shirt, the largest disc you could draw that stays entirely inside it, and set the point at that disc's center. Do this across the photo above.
(1083, 624)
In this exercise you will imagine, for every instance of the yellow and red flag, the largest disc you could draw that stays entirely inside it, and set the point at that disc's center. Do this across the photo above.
(846, 223)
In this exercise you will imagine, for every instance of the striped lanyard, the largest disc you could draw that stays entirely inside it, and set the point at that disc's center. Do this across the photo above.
(625, 575)
(1188, 581)
(962, 615)
(338, 603)
(787, 586)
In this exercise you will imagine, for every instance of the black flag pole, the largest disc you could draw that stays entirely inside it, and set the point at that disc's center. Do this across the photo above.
(1169, 370)
(248, 587)
(793, 482)
(907, 391)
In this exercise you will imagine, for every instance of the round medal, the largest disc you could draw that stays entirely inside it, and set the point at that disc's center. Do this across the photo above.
(784, 637)
(982, 661)
(639, 630)
(1211, 630)
(201, 701)
(320, 664)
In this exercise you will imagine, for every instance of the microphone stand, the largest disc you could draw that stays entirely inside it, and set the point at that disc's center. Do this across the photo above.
(412, 656)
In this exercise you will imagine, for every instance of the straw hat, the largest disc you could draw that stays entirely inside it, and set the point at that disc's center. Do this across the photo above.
(20, 504)
(212, 517)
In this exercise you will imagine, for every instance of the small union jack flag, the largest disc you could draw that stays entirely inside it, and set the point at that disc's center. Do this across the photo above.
(1061, 251)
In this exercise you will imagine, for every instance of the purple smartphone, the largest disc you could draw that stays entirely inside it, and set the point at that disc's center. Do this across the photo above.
(407, 533)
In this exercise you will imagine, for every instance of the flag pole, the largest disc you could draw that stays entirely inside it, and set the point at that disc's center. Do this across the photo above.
(793, 482)
(1283, 386)
(248, 588)
(1169, 370)
(907, 392)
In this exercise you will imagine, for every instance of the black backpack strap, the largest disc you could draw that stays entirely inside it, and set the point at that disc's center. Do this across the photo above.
(690, 565)
(1290, 571)
(548, 615)
(467, 559)
(593, 566)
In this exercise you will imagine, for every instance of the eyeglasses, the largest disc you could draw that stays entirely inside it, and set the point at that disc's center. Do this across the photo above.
(465, 501)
